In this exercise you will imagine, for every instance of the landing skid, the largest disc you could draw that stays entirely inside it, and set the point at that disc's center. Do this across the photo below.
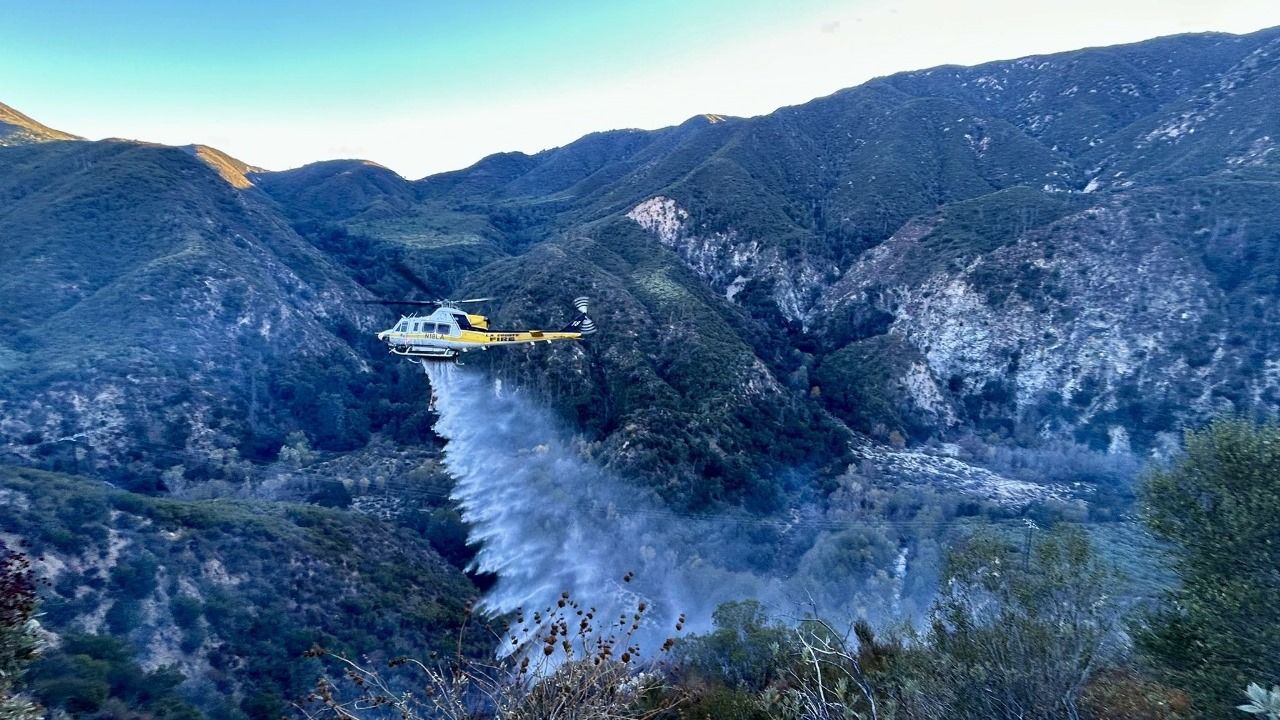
(427, 362)
(420, 355)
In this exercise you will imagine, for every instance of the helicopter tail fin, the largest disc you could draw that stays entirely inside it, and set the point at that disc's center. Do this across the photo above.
(581, 322)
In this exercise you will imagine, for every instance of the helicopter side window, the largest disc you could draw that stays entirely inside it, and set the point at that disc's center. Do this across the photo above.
(442, 329)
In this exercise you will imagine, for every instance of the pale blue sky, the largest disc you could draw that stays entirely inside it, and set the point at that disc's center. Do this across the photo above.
(429, 86)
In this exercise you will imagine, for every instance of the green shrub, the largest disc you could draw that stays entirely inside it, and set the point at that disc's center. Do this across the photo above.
(1216, 506)
(747, 650)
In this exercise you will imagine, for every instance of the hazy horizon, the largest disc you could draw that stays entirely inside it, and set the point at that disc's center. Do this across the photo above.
(428, 88)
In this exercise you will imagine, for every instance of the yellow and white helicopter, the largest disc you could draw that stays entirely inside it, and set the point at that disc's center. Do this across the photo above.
(448, 331)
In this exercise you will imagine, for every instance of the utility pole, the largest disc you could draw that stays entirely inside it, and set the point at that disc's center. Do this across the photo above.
(1026, 547)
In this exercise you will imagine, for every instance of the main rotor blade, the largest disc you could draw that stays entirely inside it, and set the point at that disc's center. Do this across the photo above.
(424, 302)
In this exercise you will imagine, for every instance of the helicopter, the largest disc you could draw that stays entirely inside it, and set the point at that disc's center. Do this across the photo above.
(448, 331)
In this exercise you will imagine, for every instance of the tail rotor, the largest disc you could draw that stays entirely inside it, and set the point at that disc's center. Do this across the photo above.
(581, 323)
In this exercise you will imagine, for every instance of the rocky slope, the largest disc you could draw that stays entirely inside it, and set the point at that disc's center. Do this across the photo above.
(159, 310)
(230, 595)
(1116, 325)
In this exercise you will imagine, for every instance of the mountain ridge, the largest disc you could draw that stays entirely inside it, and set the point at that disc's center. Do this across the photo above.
(788, 202)
(781, 217)
(17, 129)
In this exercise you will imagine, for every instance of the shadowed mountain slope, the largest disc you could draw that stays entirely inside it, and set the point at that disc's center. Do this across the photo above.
(151, 305)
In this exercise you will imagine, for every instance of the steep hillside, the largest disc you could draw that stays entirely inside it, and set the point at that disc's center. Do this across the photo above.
(156, 314)
(679, 389)
(234, 171)
(347, 189)
(229, 594)
(1115, 325)
(18, 129)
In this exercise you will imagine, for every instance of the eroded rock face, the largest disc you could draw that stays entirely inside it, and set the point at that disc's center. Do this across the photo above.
(1112, 297)
(1104, 326)
(728, 259)
(662, 216)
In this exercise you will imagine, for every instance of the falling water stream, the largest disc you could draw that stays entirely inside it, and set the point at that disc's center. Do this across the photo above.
(547, 521)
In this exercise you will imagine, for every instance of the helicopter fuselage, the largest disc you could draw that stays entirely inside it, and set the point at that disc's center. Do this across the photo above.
(449, 332)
